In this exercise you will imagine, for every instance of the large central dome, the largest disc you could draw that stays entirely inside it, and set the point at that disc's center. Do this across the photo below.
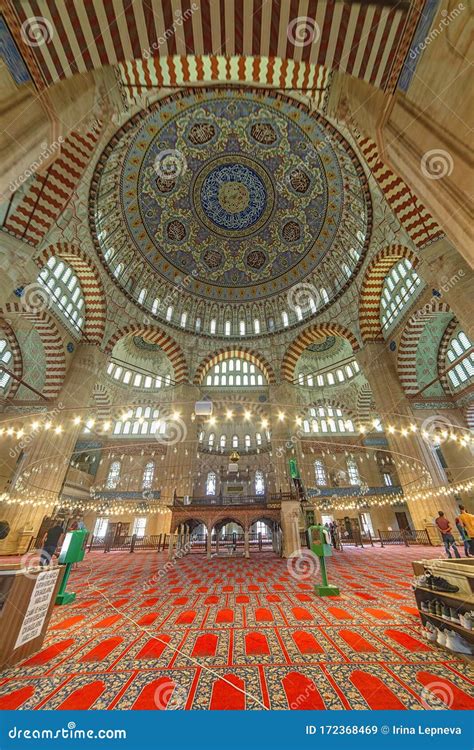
(242, 193)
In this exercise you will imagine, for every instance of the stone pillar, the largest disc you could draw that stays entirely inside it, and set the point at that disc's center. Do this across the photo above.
(445, 270)
(47, 456)
(284, 432)
(181, 442)
(290, 514)
(246, 543)
(209, 543)
(378, 366)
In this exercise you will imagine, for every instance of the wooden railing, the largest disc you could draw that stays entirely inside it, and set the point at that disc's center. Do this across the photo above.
(270, 499)
(404, 536)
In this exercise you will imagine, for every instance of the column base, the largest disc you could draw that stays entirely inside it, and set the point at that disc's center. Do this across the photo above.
(326, 590)
(65, 598)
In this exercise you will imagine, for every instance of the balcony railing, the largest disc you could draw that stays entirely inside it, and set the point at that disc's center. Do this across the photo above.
(268, 499)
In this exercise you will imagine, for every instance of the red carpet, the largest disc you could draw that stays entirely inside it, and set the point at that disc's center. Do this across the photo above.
(229, 634)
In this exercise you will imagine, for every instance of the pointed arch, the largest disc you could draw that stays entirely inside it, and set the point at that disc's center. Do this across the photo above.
(91, 285)
(52, 345)
(155, 335)
(443, 348)
(372, 285)
(408, 348)
(309, 336)
(17, 362)
(249, 355)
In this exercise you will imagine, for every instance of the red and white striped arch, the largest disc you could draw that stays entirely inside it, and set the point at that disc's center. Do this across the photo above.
(155, 335)
(49, 192)
(55, 361)
(16, 368)
(91, 285)
(365, 40)
(309, 336)
(409, 342)
(249, 355)
(442, 350)
(372, 285)
(410, 211)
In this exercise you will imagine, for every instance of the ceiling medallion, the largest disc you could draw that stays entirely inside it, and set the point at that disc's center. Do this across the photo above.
(263, 195)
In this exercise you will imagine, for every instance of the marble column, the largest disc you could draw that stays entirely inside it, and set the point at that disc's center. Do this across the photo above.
(46, 458)
(378, 365)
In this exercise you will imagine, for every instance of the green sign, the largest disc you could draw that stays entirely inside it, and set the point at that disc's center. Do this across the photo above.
(294, 471)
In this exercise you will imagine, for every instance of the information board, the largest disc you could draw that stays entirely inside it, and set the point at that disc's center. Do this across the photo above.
(38, 606)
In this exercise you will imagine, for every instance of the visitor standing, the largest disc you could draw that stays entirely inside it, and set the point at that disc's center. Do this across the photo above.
(50, 542)
(447, 534)
(467, 520)
(463, 535)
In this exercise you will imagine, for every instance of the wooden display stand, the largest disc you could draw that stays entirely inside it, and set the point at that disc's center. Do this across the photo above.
(459, 572)
(26, 604)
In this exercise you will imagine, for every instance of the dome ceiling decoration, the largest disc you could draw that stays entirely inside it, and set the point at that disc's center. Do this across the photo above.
(233, 195)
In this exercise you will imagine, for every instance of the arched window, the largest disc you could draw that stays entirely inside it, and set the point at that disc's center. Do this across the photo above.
(198, 325)
(235, 441)
(320, 474)
(256, 325)
(148, 475)
(140, 421)
(259, 483)
(399, 286)
(242, 327)
(129, 376)
(330, 419)
(247, 441)
(211, 483)
(169, 312)
(113, 476)
(6, 358)
(284, 318)
(227, 328)
(223, 441)
(459, 365)
(299, 312)
(353, 472)
(155, 306)
(324, 296)
(211, 440)
(59, 278)
(184, 317)
(212, 327)
(218, 374)
(258, 438)
(142, 296)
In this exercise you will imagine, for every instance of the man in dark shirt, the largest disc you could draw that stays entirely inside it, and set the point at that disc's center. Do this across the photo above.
(50, 542)
(447, 534)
